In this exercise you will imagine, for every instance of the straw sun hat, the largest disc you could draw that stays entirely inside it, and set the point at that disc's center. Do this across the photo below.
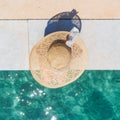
(53, 64)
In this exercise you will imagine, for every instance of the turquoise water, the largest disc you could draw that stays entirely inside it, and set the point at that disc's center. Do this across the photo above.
(94, 96)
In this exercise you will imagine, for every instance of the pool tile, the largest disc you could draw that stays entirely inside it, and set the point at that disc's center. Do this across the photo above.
(103, 41)
(13, 45)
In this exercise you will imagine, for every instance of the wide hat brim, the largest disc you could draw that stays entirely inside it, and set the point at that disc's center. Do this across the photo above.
(50, 77)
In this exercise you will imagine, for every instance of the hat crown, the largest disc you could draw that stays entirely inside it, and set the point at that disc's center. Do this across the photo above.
(59, 55)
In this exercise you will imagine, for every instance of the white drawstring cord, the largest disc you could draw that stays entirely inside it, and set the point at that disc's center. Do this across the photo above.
(73, 36)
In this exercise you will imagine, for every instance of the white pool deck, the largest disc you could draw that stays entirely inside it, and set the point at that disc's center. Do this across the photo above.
(17, 37)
